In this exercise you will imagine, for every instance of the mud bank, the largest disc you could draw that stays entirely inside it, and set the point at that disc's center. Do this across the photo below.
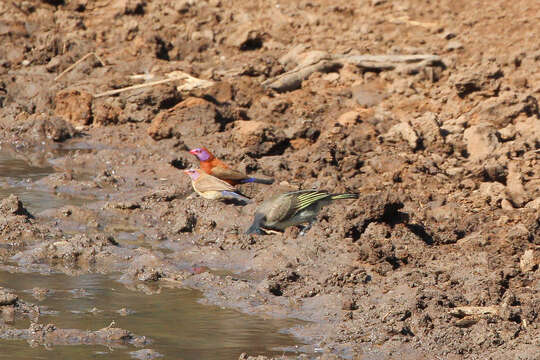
(439, 257)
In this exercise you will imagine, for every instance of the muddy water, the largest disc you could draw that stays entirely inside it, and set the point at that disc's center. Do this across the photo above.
(179, 326)
(19, 177)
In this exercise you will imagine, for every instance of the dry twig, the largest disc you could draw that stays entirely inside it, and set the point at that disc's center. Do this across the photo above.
(190, 83)
(69, 68)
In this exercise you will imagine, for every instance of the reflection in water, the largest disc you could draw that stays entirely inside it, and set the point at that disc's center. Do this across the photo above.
(179, 326)
(18, 177)
(18, 169)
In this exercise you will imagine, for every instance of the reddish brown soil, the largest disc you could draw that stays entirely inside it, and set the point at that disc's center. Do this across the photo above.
(439, 258)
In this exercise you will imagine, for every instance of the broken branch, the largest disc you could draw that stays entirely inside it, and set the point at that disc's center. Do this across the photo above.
(292, 79)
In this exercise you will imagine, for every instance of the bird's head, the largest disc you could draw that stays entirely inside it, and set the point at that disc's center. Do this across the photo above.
(193, 173)
(202, 153)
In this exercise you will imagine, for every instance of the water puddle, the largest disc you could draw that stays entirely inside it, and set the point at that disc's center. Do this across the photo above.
(18, 177)
(179, 326)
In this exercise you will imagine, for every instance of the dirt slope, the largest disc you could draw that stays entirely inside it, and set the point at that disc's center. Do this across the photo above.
(438, 258)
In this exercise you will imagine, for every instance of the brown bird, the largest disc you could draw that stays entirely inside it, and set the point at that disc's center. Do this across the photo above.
(210, 187)
(292, 208)
(215, 167)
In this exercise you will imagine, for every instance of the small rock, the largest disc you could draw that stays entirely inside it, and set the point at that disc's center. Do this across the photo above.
(125, 312)
(8, 314)
(514, 185)
(481, 141)
(468, 184)
(506, 205)
(289, 59)
(534, 204)
(149, 275)
(472, 81)
(508, 133)
(13, 206)
(494, 191)
(529, 130)
(349, 118)
(312, 57)
(74, 106)
(298, 144)
(222, 92)
(7, 298)
(54, 64)
(246, 37)
(404, 131)
(40, 293)
(367, 95)
(191, 117)
(145, 354)
(500, 110)
(454, 45)
(333, 76)
(57, 129)
(429, 127)
(529, 260)
(105, 113)
(247, 132)
(455, 171)
(259, 138)
(116, 334)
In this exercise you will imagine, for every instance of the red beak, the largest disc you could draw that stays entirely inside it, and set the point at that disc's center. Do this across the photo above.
(192, 151)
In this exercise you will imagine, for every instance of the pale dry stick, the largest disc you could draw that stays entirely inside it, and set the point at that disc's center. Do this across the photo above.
(69, 68)
(191, 82)
(406, 20)
(139, 86)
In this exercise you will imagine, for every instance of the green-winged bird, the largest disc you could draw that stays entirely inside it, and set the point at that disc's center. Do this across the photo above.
(292, 208)
(210, 187)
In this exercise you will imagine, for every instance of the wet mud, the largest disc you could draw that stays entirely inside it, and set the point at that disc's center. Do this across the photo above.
(438, 258)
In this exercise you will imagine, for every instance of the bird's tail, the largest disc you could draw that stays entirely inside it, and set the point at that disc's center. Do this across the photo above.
(255, 228)
(257, 180)
(235, 196)
(343, 196)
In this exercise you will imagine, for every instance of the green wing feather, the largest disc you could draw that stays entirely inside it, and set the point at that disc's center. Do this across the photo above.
(284, 206)
(306, 198)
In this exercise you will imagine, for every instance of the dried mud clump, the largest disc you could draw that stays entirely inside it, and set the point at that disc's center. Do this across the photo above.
(428, 110)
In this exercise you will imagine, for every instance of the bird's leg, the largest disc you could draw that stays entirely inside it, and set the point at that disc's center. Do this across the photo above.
(306, 228)
(270, 231)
